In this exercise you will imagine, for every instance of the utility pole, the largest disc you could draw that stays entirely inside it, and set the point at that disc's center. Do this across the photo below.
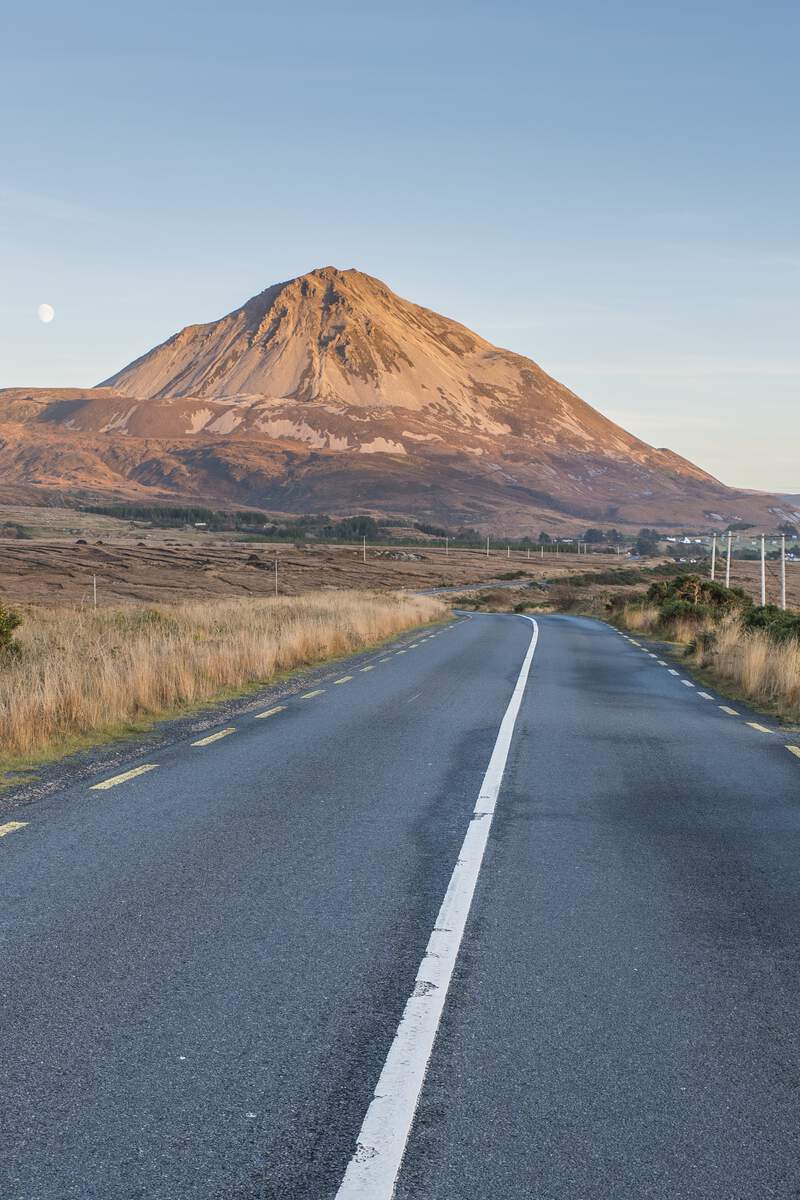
(364, 548)
(508, 552)
(529, 552)
(783, 571)
(276, 576)
(487, 547)
(763, 572)
(94, 589)
(541, 548)
(446, 546)
(728, 563)
(713, 557)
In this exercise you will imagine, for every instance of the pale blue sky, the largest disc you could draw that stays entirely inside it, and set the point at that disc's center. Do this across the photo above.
(609, 188)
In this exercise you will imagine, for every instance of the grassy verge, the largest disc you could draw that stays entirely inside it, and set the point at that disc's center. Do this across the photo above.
(79, 677)
(751, 652)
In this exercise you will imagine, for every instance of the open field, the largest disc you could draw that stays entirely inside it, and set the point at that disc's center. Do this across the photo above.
(82, 672)
(55, 572)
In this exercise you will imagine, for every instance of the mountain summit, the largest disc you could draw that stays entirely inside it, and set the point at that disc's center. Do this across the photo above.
(328, 392)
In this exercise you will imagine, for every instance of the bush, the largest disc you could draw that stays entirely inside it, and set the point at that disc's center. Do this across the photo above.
(691, 595)
(780, 625)
(9, 621)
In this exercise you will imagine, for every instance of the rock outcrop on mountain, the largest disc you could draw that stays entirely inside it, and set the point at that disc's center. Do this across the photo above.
(331, 393)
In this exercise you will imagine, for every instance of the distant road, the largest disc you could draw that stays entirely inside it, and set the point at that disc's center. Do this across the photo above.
(206, 964)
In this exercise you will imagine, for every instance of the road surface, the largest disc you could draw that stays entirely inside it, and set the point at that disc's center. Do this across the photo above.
(207, 965)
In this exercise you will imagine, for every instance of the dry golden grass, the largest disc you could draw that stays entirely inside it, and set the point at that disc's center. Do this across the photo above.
(757, 667)
(639, 618)
(82, 672)
(754, 665)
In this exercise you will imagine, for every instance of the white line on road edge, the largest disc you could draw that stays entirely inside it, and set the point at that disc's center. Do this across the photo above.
(373, 1170)
(672, 671)
(13, 826)
(123, 778)
(215, 737)
(687, 683)
(705, 695)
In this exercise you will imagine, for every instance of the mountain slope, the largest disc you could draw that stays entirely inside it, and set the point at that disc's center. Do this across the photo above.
(330, 392)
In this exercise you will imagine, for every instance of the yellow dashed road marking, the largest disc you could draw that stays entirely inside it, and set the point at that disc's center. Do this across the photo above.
(757, 727)
(271, 712)
(215, 737)
(795, 750)
(11, 826)
(123, 778)
(311, 695)
(730, 711)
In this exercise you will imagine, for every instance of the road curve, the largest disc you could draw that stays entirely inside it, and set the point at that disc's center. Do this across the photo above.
(205, 963)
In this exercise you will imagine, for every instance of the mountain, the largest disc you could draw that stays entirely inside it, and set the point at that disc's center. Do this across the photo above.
(330, 393)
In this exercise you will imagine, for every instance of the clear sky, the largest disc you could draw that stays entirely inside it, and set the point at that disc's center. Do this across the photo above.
(610, 188)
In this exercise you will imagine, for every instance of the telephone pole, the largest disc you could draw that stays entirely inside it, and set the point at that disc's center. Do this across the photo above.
(487, 547)
(783, 571)
(728, 563)
(364, 548)
(713, 557)
(763, 571)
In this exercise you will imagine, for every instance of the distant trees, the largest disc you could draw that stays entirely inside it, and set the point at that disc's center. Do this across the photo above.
(594, 537)
(647, 541)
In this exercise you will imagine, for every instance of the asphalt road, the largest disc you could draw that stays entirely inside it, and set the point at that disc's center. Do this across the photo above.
(204, 966)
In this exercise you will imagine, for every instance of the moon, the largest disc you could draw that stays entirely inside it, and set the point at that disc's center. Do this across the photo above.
(45, 313)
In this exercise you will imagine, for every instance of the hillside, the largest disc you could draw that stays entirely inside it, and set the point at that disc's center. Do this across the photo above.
(330, 393)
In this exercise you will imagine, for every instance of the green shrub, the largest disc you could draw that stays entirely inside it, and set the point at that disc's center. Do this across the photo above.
(9, 621)
(691, 595)
(780, 625)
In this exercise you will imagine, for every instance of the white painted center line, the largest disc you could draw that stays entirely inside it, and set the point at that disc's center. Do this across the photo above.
(795, 750)
(13, 826)
(271, 712)
(215, 737)
(705, 695)
(730, 711)
(123, 778)
(372, 1171)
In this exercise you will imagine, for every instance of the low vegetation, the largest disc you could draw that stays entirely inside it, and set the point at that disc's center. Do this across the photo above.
(753, 650)
(77, 675)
